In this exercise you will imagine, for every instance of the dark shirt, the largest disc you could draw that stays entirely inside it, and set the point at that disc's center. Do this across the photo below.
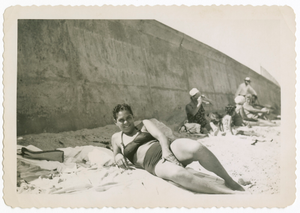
(199, 117)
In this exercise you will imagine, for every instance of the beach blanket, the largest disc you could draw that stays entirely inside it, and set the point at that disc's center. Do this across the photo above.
(90, 168)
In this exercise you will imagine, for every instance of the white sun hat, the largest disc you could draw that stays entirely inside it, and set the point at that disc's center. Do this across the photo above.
(193, 92)
(240, 100)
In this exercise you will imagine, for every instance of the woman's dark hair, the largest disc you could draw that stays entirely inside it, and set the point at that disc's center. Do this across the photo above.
(254, 97)
(121, 107)
(229, 109)
(216, 117)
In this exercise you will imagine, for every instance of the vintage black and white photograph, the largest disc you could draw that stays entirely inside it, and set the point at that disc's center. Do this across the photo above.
(188, 104)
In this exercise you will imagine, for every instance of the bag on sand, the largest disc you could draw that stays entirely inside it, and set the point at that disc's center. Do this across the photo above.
(192, 128)
(52, 155)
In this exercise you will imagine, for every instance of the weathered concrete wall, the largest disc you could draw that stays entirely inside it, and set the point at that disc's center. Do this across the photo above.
(71, 73)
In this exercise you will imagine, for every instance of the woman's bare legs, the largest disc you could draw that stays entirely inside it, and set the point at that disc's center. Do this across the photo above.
(183, 177)
(187, 151)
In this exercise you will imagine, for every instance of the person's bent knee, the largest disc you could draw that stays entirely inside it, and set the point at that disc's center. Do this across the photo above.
(186, 150)
(196, 147)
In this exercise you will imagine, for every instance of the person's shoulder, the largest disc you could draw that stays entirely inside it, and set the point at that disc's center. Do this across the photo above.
(116, 139)
(226, 117)
(239, 108)
(116, 135)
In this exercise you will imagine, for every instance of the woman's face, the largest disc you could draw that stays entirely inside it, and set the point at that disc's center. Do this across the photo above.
(125, 121)
(196, 96)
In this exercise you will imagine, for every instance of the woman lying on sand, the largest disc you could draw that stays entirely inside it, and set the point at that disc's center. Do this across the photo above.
(148, 148)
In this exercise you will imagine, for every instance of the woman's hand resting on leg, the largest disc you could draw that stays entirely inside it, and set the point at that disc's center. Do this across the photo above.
(171, 158)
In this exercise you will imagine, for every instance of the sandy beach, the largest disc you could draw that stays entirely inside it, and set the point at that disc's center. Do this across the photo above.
(255, 165)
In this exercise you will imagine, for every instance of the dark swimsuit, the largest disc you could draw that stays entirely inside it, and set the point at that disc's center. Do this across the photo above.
(153, 154)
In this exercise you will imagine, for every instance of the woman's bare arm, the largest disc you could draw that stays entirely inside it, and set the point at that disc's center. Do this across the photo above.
(230, 125)
(244, 116)
(117, 150)
(252, 109)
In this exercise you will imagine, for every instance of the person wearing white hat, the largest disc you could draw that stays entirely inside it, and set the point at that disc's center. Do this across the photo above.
(245, 88)
(195, 111)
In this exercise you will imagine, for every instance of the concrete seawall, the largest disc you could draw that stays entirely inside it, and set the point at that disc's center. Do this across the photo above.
(71, 73)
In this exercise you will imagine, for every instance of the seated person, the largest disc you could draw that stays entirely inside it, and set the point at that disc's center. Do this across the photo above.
(222, 126)
(227, 120)
(252, 112)
(148, 148)
(229, 127)
(245, 88)
(240, 118)
(256, 114)
(195, 111)
(269, 115)
(254, 102)
(216, 124)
